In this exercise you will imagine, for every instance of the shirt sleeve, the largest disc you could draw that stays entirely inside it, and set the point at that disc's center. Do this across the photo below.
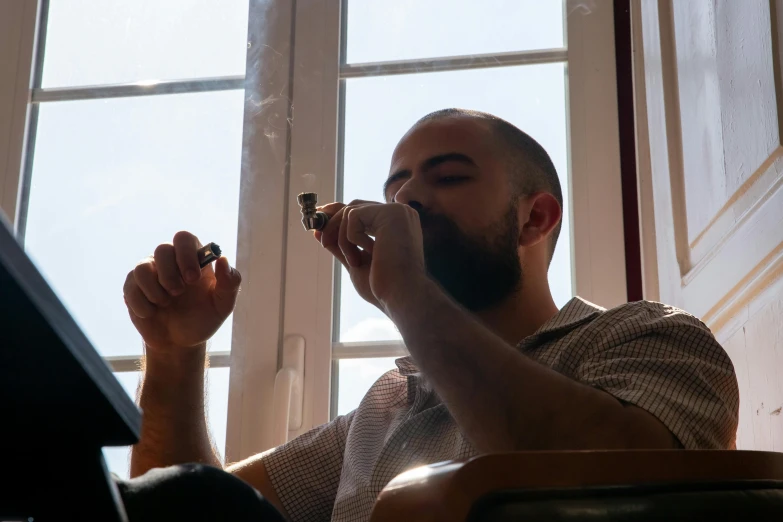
(305, 472)
(668, 363)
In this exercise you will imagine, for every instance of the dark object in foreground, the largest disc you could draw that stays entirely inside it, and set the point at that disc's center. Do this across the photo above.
(60, 404)
(312, 219)
(193, 492)
(208, 253)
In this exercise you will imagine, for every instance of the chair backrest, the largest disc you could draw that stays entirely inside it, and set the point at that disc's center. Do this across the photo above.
(451, 491)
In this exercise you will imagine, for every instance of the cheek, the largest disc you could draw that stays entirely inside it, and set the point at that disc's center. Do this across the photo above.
(487, 203)
(478, 216)
(473, 224)
(464, 211)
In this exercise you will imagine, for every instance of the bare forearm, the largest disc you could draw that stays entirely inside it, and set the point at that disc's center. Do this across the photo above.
(503, 400)
(174, 429)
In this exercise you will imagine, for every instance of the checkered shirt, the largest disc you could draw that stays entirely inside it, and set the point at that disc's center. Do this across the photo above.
(648, 354)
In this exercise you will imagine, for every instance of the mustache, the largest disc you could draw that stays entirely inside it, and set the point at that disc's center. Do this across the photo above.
(429, 219)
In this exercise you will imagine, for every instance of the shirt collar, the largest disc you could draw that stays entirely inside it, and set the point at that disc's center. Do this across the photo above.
(576, 311)
(406, 366)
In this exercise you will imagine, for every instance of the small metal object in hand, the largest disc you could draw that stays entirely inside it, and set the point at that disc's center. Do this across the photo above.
(312, 219)
(208, 253)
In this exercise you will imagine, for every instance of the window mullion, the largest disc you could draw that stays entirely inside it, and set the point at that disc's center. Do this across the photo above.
(453, 63)
(128, 90)
(368, 350)
(309, 269)
(594, 157)
(261, 237)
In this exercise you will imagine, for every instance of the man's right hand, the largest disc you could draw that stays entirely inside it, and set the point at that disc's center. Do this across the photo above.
(174, 304)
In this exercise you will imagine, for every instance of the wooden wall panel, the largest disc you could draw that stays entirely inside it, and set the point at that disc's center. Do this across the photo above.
(711, 106)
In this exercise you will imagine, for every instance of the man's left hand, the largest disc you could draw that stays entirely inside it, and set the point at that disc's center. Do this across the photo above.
(381, 246)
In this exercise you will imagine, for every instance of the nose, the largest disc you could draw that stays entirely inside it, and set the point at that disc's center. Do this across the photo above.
(413, 194)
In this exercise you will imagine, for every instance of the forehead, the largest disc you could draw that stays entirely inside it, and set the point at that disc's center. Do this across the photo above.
(464, 135)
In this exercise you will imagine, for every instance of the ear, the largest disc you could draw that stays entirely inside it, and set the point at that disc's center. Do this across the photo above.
(539, 214)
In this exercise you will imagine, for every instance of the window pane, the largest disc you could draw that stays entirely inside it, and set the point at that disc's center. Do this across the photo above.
(410, 29)
(531, 97)
(360, 321)
(91, 42)
(114, 178)
(117, 459)
(356, 377)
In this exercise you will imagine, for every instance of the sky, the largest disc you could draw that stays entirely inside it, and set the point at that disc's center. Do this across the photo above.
(113, 178)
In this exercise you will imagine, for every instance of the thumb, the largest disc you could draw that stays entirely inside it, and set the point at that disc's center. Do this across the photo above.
(227, 284)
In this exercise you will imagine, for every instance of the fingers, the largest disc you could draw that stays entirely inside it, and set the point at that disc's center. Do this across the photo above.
(353, 236)
(332, 208)
(337, 253)
(153, 282)
(331, 232)
(186, 247)
(135, 299)
(168, 270)
(227, 284)
(146, 277)
(350, 251)
(356, 232)
(330, 235)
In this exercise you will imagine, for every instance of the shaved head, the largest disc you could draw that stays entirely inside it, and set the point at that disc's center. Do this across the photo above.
(530, 169)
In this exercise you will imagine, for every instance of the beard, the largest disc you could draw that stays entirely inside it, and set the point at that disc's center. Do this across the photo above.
(478, 272)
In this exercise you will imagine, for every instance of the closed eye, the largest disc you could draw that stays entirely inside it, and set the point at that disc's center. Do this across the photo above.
(452, 180)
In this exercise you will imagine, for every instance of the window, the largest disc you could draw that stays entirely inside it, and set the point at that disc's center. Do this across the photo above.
(147, 117)
(138, 133)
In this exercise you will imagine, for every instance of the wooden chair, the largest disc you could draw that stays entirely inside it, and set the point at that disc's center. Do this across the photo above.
(590, 485)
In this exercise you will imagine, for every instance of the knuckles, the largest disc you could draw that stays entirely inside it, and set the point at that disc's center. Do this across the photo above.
(130, 280)
(163, 249)
(346, 216)
(183, 236)
(143, 267)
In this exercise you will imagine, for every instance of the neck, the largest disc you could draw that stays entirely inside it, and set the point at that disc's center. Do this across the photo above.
(522, 313)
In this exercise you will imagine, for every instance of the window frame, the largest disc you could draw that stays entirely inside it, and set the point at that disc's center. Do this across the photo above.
(19, 25)
(24, 24)
(289, 283)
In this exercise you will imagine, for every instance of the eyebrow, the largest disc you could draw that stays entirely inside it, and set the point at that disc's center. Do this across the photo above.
(429, 164)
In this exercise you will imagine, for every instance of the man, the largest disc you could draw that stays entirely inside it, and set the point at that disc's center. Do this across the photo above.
(457, 257)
